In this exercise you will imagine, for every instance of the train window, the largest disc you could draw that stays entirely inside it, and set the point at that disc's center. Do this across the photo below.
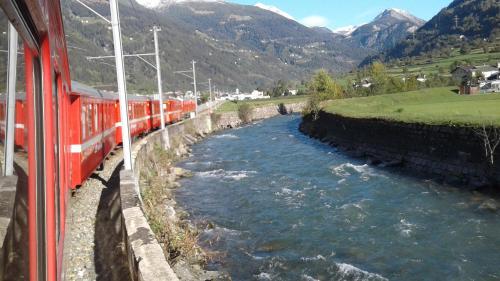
(57, 141)
(84, 123)
(96, 118)
(4, 66)
(104, 115)
(13, 155)
(89, 120)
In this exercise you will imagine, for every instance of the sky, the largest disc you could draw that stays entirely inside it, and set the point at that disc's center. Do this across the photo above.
(336, 13)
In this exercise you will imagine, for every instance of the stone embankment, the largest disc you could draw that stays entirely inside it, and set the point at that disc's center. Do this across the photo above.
(146, 256)
(231, 119)
(450, 154)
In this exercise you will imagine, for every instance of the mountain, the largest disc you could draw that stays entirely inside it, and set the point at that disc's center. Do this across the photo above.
(274, 10)
(459, 24)
(386, 30)
(346, 30)
(238, 46)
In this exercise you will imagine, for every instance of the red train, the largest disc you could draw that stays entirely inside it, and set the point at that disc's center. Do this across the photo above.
(63, 132)
(96, 127)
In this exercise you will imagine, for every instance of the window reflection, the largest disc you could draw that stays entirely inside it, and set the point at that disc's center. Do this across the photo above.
(13, 176)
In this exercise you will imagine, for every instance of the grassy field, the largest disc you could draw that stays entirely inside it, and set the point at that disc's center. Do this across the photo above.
(477, 57)
(431, 106)
(233, 106)
(433, 67)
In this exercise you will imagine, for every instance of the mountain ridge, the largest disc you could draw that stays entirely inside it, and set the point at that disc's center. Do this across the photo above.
(385, 30)
(462, 23)
(237, 46)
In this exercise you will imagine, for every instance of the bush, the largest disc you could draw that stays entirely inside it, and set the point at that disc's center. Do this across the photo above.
(313, 107)
(215, 117)
(245, 112)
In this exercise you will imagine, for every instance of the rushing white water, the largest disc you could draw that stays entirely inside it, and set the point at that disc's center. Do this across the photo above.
(287, 207)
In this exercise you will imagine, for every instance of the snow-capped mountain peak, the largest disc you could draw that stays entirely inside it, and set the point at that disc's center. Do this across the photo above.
(275, 10)
(346, 30)
(398, 14)
(165, 3)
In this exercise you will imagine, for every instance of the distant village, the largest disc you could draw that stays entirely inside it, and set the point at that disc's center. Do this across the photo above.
(477, 79)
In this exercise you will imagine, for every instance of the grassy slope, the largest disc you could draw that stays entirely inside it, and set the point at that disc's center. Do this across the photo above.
(432, 106)
(232, 106)
(477, 57)
(421, 66)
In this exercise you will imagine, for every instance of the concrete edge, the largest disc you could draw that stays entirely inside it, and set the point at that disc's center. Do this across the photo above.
(146, 258)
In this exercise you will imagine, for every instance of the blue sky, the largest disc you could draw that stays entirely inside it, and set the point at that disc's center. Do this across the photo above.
(335, 13)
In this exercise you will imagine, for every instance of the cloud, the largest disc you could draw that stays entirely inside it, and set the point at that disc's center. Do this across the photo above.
(315, 21)
(274, 10)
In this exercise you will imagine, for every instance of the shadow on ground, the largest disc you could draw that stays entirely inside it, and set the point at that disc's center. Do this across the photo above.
(111, 261)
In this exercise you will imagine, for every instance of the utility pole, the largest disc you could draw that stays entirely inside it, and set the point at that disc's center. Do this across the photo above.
(193, 76)
(210, 89)
(166, 141)
(195, 90)
(11, 103)
(122, 87)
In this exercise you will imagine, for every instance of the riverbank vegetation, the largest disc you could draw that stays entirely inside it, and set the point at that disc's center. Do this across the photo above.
(245, 112)
(177, 238)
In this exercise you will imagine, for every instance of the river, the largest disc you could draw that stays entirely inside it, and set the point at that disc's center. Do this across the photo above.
(287, 207)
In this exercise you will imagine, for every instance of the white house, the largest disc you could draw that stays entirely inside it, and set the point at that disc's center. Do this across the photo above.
(486, 70)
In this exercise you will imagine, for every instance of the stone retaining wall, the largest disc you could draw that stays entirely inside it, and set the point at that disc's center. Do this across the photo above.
(451, 154)
(146, 256)
(231, 119)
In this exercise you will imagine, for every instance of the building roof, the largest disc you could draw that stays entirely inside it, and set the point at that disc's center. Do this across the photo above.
(485, 68)
(466, 68)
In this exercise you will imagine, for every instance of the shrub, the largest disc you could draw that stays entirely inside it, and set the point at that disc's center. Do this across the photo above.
(312, 108)
(245, 112)
(215, 117)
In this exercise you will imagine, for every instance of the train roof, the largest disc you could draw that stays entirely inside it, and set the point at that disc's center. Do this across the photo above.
(139, 98)
(82, 89)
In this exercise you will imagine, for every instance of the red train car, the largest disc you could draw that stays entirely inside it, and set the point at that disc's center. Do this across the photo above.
(188, 107)
(67, 129)
(93, 130)
(174, 109)
(139, 114)
(19, 137)
(155, 114)
(43, 176)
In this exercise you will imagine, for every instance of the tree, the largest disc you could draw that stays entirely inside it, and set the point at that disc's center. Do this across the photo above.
(245, 112)
(465, 49)
(379, 76)
(280, 89)
(323, 86)
(491, 140)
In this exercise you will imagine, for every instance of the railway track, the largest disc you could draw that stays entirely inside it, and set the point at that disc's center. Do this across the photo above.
(94, 249)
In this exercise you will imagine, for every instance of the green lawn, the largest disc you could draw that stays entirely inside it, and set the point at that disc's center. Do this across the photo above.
(477, 57)
(432, 106)
(233, 106)
(427, 68)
